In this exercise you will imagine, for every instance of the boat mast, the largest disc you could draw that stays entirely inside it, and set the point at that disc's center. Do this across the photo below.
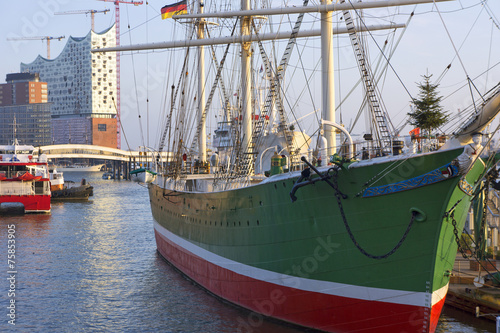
(202, 135)
(328, 91)
(246, 101)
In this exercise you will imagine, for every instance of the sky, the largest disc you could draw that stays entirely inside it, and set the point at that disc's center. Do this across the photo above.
(426, 47)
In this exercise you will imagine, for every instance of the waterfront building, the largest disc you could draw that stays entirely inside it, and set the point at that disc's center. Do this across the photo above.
(82, 88)
(24, 110)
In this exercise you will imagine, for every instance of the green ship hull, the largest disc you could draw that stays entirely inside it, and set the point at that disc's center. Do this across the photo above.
(376, 260)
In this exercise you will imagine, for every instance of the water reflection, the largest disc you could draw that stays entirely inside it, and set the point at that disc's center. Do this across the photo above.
(454, 320)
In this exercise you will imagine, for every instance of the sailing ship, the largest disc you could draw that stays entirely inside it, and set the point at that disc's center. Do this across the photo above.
(24, 178)
(332, 238)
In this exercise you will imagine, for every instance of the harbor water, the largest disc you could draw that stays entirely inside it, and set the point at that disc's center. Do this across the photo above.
(93, 267)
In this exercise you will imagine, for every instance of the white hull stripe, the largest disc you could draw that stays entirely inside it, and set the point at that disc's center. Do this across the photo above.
(323, 287)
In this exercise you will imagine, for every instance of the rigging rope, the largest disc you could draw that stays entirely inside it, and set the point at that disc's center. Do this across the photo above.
(380, 49)
(135, 83)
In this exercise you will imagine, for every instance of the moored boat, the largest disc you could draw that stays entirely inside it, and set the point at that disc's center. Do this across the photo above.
(24, 178)
(80, 168)
(74, 192)
(56, 179)
(142, 175)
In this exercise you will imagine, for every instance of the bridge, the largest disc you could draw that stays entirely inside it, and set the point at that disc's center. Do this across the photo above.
(95, 152)
(121, 160)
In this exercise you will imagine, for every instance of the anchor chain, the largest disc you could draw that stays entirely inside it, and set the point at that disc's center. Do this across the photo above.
(339, 197)
(330, 177)
(455, 232)
(451, 214)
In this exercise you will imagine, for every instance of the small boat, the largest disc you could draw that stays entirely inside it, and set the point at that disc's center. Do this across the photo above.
(110, 175)
(56, 179)
(142, 175)
(81, 192)
(24, 178)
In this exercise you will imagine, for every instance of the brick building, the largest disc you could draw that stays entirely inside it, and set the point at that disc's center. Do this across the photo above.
(24, 110)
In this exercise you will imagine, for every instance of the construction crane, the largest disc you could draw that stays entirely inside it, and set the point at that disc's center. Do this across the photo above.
(117, 28)
(84, 11)
(47, 38)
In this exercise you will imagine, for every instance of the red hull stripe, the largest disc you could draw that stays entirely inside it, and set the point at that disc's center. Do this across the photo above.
(32, 203)
(324, 287)
(310, 309)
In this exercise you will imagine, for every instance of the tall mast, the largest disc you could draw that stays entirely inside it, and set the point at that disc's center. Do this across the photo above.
(246, 101)
(328, 92)
(202, 135)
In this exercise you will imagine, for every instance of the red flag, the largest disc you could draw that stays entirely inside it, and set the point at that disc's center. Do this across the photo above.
(415, 132)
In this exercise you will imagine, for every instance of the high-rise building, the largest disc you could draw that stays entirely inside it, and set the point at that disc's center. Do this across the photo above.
(24, 111)
(82, 87)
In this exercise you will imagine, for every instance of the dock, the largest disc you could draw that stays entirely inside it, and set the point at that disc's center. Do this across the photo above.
(482, 301)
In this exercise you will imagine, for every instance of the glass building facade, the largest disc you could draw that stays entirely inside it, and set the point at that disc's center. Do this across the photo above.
(32, 124)
(81, 88)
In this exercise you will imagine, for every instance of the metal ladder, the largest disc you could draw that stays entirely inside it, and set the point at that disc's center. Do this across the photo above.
(273, 98)
(384, 127)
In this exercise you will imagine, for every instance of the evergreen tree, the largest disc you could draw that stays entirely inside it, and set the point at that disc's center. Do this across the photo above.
(428, 113)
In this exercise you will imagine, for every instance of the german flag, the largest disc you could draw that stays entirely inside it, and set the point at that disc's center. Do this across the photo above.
(175, 9)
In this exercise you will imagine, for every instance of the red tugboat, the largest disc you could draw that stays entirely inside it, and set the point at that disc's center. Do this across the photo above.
(24, 178)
